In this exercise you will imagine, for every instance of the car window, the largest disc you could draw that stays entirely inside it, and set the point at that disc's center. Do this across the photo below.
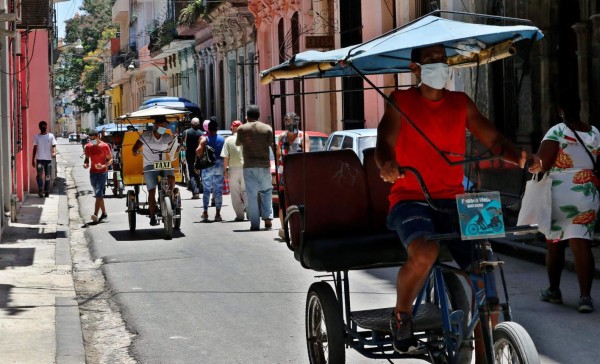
(336, 142)
(366, 142)
(317, 143)
(347, 143)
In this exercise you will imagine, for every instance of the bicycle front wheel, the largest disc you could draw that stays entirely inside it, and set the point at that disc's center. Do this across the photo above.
(512, 344)
(167, 216)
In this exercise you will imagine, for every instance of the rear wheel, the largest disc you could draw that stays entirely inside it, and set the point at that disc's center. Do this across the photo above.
(131, 209)
(324, 326)
(512, 344)
(167, 217)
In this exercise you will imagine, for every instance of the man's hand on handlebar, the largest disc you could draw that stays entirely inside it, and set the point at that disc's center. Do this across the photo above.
(389, 171)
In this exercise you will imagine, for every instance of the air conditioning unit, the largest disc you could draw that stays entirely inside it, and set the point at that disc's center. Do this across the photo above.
(3, 7)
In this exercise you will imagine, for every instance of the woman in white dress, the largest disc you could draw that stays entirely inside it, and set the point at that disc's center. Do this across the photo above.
(570, 159)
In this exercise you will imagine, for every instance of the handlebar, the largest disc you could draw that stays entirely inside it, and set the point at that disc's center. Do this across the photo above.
(428, 197)
(523, 229)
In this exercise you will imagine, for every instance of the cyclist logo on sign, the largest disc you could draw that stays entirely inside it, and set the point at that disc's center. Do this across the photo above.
(480, 215)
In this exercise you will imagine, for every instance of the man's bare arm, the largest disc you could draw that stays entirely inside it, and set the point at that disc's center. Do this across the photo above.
(387, 135)
(488, 135)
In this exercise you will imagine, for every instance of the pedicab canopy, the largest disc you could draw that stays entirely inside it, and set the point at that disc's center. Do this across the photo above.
(147, 115)
(467, 44)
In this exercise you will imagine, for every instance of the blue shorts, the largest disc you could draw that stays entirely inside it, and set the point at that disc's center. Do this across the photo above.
(151, 176)
(98, 181)
(416, 219)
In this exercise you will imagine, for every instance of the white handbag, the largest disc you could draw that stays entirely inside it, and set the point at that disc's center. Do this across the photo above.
(536, 206)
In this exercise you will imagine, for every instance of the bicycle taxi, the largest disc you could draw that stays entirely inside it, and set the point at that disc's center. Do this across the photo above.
(338, 225)
(169, 201)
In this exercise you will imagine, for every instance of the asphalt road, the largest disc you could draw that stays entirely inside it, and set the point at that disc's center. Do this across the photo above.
(218, 293)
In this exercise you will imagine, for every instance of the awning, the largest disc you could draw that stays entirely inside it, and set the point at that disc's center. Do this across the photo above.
(467, 44)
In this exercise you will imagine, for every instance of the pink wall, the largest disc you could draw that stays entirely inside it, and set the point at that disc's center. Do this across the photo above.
(36, 99)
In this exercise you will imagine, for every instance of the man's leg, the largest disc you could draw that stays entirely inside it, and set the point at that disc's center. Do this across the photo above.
(412, 275)
(193, 177)
(48, 176)
(252, 187)
(236, 186)
(207, 186)
(39, 168)
(152, 206)
(266, 195)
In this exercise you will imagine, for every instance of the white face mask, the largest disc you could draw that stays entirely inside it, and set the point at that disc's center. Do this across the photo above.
(94, 141)
(435, 75)
(161, 130)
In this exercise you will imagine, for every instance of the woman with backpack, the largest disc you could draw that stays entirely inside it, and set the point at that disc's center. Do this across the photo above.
(212, 177)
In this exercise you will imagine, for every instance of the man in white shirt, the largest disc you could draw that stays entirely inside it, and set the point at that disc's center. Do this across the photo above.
(157, 144)
(44, 149)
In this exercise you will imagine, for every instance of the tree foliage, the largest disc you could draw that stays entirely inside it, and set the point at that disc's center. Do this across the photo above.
(82, 73)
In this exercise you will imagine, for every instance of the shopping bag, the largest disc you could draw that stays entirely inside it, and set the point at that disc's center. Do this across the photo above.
(536, 206)
(226, 186)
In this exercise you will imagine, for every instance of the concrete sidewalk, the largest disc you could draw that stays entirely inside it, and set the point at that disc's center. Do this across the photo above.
(39, 315)
(532, 247)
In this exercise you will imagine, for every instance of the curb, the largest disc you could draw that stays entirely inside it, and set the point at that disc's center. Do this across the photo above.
(69, 335)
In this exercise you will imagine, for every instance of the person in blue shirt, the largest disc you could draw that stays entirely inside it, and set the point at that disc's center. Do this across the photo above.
(212, 177)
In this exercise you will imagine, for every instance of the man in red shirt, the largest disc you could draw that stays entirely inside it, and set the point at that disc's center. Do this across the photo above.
(97, 157)
(443, 116)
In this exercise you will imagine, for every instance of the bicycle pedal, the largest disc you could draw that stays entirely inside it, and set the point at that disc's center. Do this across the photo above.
(487, 263)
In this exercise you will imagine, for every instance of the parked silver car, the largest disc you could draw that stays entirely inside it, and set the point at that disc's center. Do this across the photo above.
(355, 139)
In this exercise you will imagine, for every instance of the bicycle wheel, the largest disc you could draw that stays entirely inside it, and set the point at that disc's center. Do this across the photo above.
(131, 210)
(512, 344)
(497, 227)
(167, 217)
(459, 301)
(472, 229)
(324, 326)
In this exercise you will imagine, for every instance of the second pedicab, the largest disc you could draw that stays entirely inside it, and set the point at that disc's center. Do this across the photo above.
(168, 205)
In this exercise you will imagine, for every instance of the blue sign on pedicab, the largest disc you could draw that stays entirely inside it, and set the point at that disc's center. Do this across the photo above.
(480, 215)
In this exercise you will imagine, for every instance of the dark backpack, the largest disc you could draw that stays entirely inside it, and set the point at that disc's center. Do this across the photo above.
(207, 159)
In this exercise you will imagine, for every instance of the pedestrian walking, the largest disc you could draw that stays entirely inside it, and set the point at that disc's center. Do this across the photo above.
(212, 177)
(290, 142)
(97, 158)
(569, 151)
(44, 150)
(233, 163)
(256, 138)
(191, 140)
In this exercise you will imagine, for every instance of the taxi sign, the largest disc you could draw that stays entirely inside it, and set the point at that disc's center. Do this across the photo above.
(480, 215)
(162, 165)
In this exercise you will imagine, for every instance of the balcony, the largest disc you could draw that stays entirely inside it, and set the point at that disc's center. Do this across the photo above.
(120, 10)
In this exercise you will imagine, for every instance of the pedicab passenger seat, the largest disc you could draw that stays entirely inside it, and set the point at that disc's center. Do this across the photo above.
(343, 217)
(132, 169)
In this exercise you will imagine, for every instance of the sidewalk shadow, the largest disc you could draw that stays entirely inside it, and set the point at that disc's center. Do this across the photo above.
(16, 257)
(5, 300)
(143, 234)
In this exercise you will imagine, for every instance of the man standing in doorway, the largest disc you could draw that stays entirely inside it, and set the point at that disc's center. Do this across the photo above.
(191, 140)
(256, 138)
(97, 157)
(44, 149)
(233, 163)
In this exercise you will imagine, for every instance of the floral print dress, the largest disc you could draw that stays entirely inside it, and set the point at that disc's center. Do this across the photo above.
(575, 197)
